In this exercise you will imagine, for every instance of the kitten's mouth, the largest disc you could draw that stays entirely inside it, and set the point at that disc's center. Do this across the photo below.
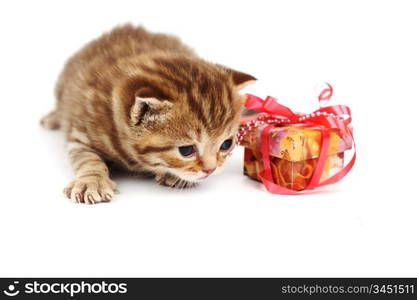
(194, 178)
(198, 179)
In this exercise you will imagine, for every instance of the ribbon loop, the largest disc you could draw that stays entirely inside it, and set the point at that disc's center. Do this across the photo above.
(272, 106)
(325, 95)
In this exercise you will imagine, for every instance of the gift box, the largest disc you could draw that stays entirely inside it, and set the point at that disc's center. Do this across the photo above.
(292, 152)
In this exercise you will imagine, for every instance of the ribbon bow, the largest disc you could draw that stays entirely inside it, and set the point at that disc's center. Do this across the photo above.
(336, 116)
(325, 118)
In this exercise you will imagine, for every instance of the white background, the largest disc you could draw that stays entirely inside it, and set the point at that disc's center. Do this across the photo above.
(229, 226)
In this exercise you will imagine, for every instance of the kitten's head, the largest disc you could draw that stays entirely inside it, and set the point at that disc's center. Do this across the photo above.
(186, 114)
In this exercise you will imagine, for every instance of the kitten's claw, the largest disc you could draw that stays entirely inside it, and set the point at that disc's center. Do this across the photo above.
(90, 190)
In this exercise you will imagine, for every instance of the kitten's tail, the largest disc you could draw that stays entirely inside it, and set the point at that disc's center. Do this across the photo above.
(51, 120)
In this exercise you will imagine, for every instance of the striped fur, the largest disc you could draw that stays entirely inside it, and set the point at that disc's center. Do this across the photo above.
(134, 97)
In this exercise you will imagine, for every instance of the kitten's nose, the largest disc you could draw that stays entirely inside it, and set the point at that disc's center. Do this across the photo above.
(209, 171)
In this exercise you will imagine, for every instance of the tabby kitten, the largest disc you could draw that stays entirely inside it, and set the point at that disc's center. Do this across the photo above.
(148, 103)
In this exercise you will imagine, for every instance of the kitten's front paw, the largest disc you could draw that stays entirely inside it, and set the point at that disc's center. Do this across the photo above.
(173, 181)
(91, 190)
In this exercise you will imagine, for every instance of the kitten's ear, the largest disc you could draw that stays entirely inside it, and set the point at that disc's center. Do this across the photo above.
(241, 79)
(149, 105)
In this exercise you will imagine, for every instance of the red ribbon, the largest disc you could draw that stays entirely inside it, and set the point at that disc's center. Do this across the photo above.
(325, 118)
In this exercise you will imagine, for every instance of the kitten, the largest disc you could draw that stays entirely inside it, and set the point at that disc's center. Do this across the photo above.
(148, 103)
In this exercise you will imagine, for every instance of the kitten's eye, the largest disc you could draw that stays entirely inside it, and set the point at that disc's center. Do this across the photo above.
(186, 150)
(226, 145)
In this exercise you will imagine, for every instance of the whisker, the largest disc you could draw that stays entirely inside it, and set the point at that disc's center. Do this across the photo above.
(178, 185)
(184, 183)
(175, 182)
